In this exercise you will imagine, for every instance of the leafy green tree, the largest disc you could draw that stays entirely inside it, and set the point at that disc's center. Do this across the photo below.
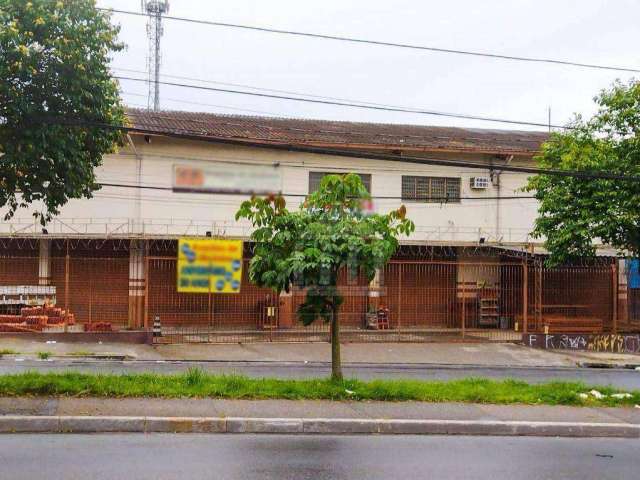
(54, 75)
(575, 212)
(311, 245)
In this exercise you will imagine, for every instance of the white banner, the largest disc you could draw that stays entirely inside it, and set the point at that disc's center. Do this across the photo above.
(227, 178)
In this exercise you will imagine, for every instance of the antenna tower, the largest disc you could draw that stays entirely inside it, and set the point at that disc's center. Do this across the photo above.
(154, 9)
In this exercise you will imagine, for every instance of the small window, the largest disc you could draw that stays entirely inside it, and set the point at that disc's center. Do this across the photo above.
(431, 189)
(315, 177)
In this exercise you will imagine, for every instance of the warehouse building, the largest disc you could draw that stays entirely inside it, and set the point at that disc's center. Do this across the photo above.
(471, 267)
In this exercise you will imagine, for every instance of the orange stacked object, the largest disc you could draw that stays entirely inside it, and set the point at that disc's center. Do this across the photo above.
(98, 327)
(10, 318)
(29, 311)
(36, 318)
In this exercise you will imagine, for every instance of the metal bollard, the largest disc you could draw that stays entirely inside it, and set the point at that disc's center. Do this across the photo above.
(157, 328)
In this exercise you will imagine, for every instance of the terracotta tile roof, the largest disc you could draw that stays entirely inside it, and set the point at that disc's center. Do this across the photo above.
(336, 134)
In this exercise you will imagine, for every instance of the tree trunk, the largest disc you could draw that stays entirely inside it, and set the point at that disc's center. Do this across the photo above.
(336, 363)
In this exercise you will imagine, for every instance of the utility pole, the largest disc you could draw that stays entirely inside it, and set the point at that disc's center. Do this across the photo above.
(155, 9)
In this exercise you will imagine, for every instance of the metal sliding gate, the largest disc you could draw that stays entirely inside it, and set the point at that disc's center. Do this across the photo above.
(493, 301)
(483, 300)
(486, 298)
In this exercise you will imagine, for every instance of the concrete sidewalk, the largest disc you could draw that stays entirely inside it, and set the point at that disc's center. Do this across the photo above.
(207, 407)
(483, 354)
(287, 416)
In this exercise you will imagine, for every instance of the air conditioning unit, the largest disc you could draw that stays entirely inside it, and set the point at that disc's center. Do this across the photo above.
(480, 183)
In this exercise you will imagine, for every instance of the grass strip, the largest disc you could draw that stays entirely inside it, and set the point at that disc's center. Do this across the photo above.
(197, 384)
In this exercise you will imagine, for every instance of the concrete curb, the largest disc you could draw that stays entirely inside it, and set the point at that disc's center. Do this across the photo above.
(302, 364)
(327, 426)
(316, 364)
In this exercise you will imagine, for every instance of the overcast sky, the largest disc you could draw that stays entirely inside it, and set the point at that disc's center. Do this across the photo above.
(589, 31)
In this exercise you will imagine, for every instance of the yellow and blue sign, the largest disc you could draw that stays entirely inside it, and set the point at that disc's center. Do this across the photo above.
(209, 265)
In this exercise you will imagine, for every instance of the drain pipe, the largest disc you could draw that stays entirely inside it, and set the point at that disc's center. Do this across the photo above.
(495, 174)
(496, 183)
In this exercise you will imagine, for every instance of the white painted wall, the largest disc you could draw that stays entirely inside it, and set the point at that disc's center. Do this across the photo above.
(124, 211)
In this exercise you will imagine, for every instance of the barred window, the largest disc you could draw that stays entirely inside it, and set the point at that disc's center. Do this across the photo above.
(431, 189)
(315, 177)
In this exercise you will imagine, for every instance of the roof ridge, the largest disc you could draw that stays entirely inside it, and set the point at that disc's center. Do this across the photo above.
(333, 132)
(338, 122)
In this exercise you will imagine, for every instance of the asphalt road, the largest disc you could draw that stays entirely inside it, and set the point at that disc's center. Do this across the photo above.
(622, 378)
(281, 457)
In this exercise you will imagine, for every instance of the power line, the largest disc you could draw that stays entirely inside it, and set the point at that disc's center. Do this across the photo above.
(164, 99)
(389, 44)
(219, 121)
(303, 195)
(199, 136)
(253, 87)
(137, 105)
(306, 165)
(354, 105)
(233, 203)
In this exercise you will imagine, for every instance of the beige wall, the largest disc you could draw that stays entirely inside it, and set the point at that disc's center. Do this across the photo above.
(116, 210)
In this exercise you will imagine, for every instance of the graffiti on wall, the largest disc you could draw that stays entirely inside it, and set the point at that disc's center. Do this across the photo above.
(623, 343)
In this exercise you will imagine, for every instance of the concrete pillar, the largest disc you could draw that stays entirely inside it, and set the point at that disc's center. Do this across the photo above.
(623, 292)
(286, 315)
(137, 283)
(44, 262)
(375, 292)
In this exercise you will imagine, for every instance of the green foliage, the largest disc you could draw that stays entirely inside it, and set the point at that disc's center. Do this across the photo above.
(202, 385)
(7, 351)
(54, 69)
(574, 213)
(194, 376)
(310, 246)
(44, 355)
